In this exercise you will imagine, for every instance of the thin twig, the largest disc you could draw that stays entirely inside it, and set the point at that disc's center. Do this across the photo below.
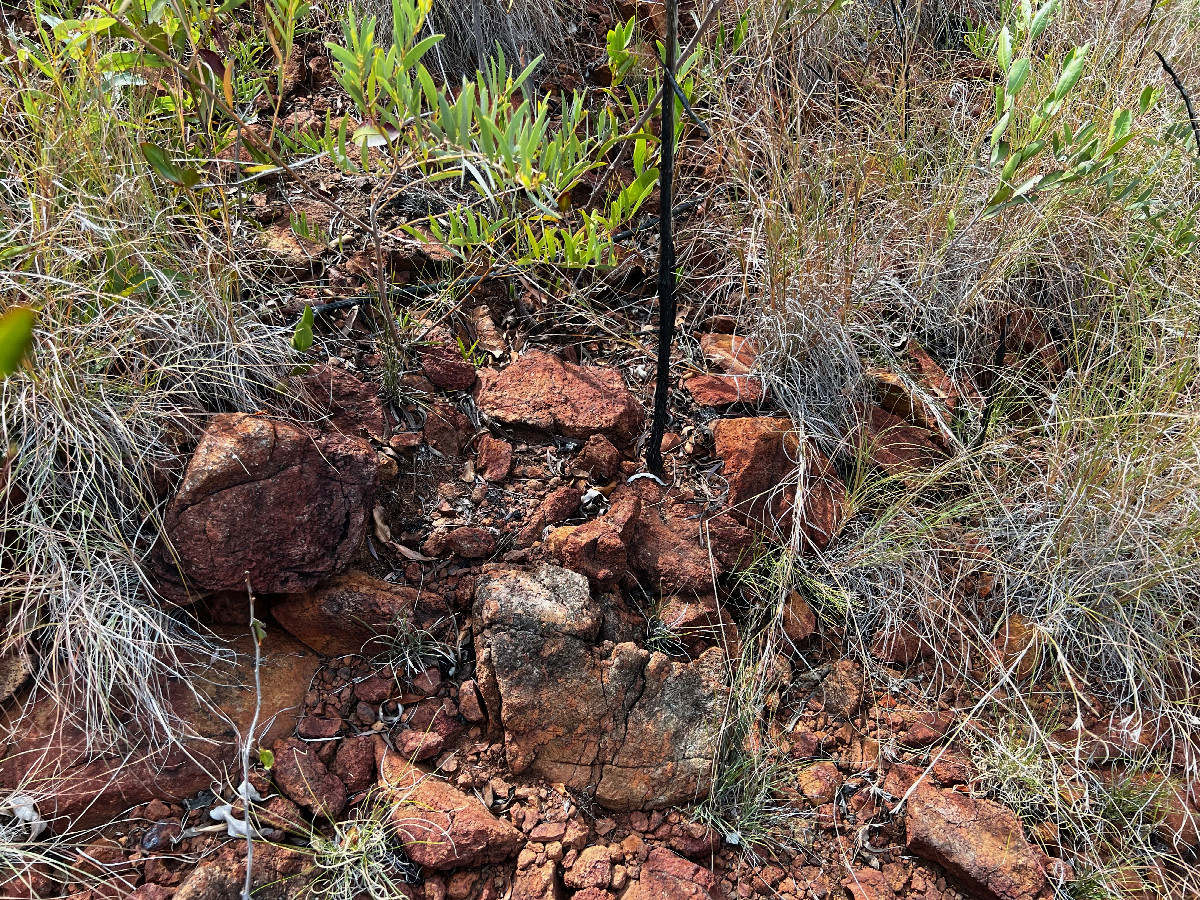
(244, 790)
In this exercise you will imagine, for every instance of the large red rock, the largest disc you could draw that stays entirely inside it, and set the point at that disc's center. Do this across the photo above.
(347, 613)
(666, 876)
(977, 841)
(768, 470)
(637, 728)
(443, 364)
(265, 504)
(86, 789)
(441, 827)
(540, 392)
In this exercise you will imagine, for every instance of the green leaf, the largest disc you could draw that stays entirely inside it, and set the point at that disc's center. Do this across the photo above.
(167, 169)
(1042, 19)
(1122, 121)
(266, 758)
(1147, 99)
(1072, 70)
(16, 335)
(1017, 76)
(302, 339)
(259, 630)
(1004, 49)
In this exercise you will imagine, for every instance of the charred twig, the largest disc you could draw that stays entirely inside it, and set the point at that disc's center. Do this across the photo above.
(652, 222)
(666, 250)
(1187, 100)
(687, 107)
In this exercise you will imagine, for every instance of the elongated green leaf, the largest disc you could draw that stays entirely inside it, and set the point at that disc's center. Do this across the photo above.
(1017, 76)
(1042, 19)
(1071, 72)
(16, 335)
(302, 339)
(166, 168)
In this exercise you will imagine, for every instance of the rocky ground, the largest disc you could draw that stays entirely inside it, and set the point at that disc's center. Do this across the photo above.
(491, 634)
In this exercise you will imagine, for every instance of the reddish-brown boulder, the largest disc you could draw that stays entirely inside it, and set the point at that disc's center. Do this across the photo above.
(441, 827)
(351, 405)
(666, 876)
(347, 613)
(265, 505)
(354, 763)
(592, 868)
(869, 884)
(719, 391)
(301, 776)
(895, 446)
(767, 469)
(85, 789)
(493, 459)
(599, 549)
(977, 841)
(842, 689)
(537, 883)
(799, 621)
(542, 393)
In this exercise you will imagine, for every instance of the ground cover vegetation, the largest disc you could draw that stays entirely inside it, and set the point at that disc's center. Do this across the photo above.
(980, 217)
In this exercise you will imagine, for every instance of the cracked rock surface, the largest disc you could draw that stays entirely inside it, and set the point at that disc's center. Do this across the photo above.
(266, 502)
(637, 728)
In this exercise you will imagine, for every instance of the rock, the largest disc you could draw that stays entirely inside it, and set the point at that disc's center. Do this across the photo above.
(447, 430)
(761, 457)
(674, 544)
(977, 841)
(638, 728)
(799, 621)
(470, 707)
(542, 393)
(281, 814)
(431, 727)
(14, 670)
(819, 782)
(353, 407)
(599, 457)
(666, 876)
(493, 459)
(302, 776)
(901, 645)
(894, 446)
(719, 391)
(869, 884)
(842, 689)
(467, 542)
(536, 883)
(700, 622)
(664, 538)
(733, 354)
(85, 789)
(354, 763)
(280, 873)
(440, 827)
(592, 868)
(1019, 644)
(695, 841)
(599, 549)
(559, 505)
(443, 364)
(346, 614)
(264, 503)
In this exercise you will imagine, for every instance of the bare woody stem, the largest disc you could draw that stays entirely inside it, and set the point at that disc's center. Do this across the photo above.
(666, 247)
